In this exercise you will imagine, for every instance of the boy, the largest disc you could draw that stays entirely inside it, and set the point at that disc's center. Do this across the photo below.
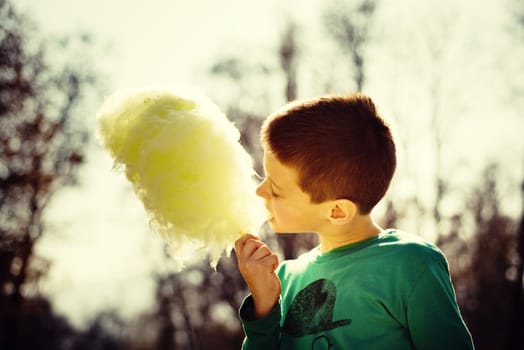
(328, 161)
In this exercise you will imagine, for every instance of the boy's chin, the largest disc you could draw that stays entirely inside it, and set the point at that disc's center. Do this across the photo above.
(274, 226)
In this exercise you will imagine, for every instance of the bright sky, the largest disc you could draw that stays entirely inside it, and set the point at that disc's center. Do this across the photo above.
(101, 249)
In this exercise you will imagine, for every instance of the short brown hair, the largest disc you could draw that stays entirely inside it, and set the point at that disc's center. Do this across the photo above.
(339, 145)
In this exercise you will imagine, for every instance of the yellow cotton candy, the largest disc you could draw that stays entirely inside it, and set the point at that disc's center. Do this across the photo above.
(186, 165)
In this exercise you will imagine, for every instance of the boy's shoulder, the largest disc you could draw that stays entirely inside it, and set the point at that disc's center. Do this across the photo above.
(405, 250)
(408, 245)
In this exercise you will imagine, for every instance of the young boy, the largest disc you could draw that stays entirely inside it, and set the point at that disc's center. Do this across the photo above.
(328, 161)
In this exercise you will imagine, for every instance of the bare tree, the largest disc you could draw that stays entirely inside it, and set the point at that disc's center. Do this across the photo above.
(195, 310)
(484, 267)
(349, 26)
(439, 39)
(40, 147)
(491, 283)
(515, 338)
(516, 322)
(288, 53)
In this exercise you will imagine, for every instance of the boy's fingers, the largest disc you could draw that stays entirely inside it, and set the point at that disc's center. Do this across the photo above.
(250, 247)
(239, 243)
(271, 260)
(264, 256)
(261, 252)
(246, 245)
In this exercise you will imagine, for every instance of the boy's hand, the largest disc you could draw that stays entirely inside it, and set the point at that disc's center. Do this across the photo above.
(257, 264)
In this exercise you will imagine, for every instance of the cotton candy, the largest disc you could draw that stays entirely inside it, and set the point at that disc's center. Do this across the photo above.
(186, 165)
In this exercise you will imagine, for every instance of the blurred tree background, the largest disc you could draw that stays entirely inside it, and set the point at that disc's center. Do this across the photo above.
(42, 143)
(40, 148)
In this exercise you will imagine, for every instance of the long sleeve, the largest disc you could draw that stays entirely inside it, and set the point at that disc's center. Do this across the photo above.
(434, 319)
(261, 334)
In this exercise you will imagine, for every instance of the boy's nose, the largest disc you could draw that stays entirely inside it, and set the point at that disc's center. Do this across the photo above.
(262, 191)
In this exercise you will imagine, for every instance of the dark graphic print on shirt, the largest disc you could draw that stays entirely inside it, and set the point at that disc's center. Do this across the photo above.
(311, 311)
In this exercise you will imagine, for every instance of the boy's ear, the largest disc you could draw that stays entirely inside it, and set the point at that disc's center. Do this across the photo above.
(342, 211)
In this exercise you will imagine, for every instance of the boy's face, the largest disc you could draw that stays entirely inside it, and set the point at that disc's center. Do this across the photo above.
(291, 210)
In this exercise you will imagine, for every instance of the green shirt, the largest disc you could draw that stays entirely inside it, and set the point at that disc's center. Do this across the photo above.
(392, 291)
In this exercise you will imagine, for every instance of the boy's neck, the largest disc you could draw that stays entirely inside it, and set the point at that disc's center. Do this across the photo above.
(360, 228)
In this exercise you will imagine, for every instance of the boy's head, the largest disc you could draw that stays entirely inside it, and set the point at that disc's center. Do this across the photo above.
(338, 144)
